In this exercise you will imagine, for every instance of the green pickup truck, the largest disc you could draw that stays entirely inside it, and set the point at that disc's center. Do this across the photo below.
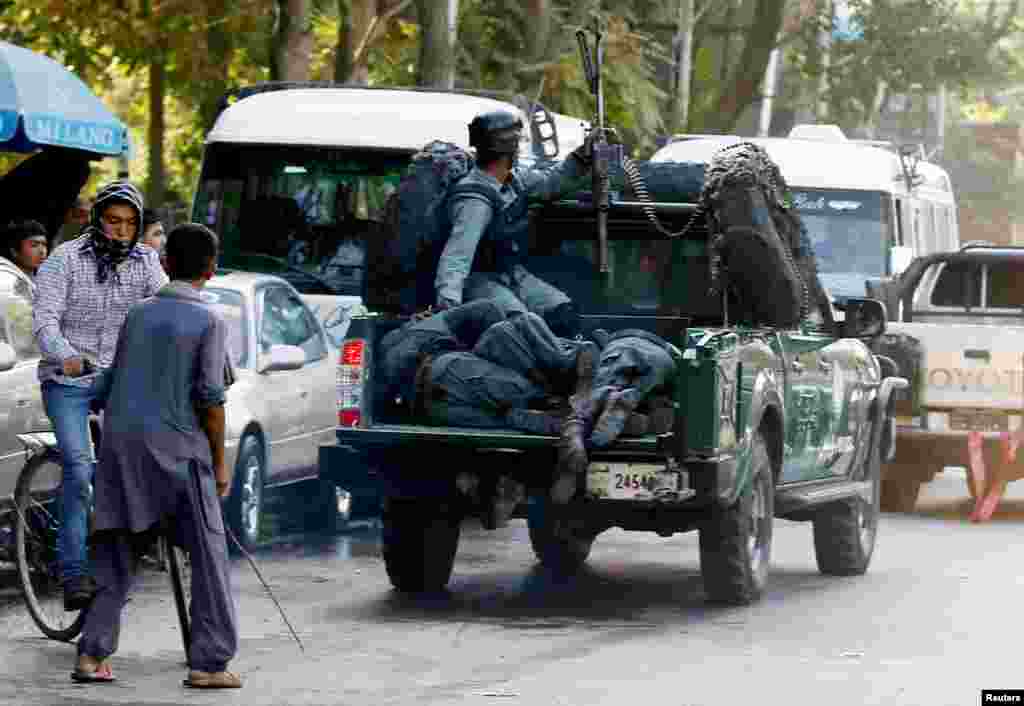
(768, 423)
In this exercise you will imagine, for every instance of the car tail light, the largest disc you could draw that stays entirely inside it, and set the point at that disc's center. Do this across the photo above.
(351, 364)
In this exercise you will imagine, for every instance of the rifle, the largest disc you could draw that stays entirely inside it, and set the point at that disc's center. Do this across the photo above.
(601, 153)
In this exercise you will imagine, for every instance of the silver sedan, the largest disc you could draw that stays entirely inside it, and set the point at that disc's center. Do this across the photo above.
(282, 406)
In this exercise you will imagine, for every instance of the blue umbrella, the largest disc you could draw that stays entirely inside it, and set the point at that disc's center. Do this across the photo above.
(42, 103)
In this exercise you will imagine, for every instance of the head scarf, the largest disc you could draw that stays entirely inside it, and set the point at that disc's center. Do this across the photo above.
(109, 252)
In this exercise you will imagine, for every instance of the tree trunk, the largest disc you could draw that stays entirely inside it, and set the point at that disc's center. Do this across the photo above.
(344, 47)
(821, 96)
(748, 73)
(684, 58)
(219, 47)
(156, 185)
(437, 54)
(293, 40)
(538, 29)
(361, 24)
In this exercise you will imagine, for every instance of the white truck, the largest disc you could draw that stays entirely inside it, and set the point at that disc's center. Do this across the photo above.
(958, 325)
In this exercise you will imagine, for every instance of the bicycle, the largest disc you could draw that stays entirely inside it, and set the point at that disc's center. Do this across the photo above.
(37, 522)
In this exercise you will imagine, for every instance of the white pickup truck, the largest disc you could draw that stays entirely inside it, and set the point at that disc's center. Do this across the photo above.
(961, 315)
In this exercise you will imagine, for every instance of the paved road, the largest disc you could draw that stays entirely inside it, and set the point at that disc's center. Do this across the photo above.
(935, 620)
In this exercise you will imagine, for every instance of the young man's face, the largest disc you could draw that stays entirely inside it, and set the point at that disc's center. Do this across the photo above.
(154, 236)
(31, 253)
(120, 222)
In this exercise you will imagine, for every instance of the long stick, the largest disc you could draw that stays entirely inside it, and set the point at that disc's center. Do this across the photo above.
(266, 587)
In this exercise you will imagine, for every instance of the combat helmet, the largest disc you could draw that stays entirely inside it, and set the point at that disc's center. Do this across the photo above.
(496, 132)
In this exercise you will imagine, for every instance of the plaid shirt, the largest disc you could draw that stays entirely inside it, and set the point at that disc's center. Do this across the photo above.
(76, 315)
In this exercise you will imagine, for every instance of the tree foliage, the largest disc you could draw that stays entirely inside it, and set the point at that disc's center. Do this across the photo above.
(523, 46)
(907, 47)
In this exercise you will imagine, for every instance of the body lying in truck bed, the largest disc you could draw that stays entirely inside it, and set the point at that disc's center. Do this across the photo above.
(645, 276)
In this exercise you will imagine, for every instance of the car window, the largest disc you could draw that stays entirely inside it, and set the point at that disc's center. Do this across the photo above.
(231, 308)
(286, 321)
(1005, 286)
(957, 286)
(16, 325)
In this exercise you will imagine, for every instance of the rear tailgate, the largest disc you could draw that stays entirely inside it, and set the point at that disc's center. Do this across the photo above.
(972, 375)
(392, 435)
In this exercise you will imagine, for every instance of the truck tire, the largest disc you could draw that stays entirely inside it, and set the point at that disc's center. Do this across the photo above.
(419, 540)
(562, 551)
(736, 542)
(845, 531)
(899, 493)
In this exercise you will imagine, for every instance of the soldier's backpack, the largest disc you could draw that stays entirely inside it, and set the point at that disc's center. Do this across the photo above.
(403, 260)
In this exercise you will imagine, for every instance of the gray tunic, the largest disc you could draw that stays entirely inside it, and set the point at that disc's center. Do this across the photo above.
(169, 361)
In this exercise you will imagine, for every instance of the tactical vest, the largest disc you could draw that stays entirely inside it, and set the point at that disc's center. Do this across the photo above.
(505, 242)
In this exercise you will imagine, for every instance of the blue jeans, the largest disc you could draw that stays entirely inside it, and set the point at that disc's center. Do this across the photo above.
(525, 344)
(629, 370)
(68, 409)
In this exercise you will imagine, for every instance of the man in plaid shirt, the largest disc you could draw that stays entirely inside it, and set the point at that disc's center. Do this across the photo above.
(83, 293)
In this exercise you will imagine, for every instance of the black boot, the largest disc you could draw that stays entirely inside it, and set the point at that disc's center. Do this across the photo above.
(499, 498)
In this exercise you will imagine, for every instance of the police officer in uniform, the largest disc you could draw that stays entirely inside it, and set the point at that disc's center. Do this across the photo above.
(482, 258)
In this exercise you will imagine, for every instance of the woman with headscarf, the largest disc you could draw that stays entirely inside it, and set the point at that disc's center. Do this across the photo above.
(83, 293)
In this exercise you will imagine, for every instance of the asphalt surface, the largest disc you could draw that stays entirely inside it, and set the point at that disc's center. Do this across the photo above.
(936, 619)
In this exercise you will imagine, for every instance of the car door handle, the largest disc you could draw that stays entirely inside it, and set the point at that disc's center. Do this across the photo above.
(825, 366)
(22, 403)
(797, 366)
(977, 353)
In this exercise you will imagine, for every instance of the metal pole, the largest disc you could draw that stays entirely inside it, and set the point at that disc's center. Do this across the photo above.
(684, 47)
(768, 94)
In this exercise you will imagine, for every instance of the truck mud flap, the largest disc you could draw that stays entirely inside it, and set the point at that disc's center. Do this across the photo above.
(350, 470)
(373, 473)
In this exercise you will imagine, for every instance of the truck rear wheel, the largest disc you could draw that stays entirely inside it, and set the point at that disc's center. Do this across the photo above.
(419, 540)
(561, 549)
(736, 542)
(845, 531)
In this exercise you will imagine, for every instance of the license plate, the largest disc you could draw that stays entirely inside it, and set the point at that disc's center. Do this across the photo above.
(631, 481)
(978, 420)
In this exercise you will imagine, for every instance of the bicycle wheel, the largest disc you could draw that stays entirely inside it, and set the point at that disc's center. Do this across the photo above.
(37, 502)
(180, 571)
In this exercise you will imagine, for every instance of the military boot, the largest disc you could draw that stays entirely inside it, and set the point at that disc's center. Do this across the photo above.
(572, 450)
(617, 412)
(498, 499)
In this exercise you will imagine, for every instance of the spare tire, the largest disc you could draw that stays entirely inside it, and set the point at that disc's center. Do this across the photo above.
(762, 275)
